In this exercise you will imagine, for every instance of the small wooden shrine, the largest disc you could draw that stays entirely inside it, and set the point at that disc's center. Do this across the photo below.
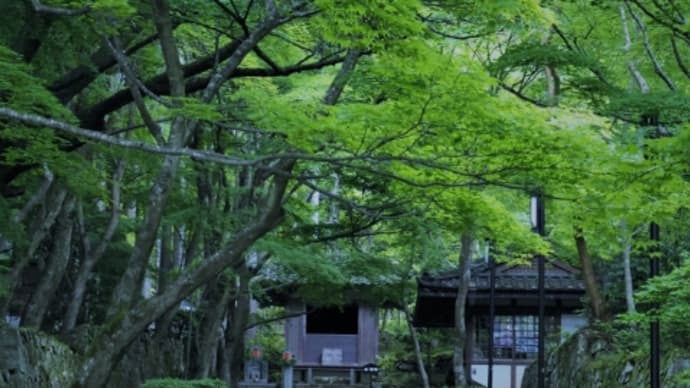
(332, 343)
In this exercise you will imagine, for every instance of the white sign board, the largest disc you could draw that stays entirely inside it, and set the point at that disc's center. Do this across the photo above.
(331, 356)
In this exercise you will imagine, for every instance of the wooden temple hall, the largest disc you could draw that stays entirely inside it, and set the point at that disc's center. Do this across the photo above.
(516, 324)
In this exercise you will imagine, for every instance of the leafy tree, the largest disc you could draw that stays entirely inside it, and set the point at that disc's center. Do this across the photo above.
(194, 147)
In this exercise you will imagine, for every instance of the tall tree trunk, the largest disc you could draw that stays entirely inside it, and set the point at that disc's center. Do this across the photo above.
(417, 349)
(629, 290)
(627, 270)
(465, 260)
(553, 82)
(167, 263)
(599, 311)
(55, 270)
(237, 326)
(216, 299)
(107, 349)
(128, 290)
(39, 230)
(91, 257)
(632, 65)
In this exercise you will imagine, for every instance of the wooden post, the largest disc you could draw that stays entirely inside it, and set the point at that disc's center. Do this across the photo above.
(492, 319)
(538, 221)
(654, 351)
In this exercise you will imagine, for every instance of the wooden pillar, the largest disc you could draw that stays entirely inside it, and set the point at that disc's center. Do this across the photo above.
(295, 330)
(367, 334)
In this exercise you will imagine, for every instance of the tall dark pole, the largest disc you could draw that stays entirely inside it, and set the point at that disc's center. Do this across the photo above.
(654, 360)
(492, 317)
(538, 221)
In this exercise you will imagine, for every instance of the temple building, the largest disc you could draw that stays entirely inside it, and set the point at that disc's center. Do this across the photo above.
(516, 323)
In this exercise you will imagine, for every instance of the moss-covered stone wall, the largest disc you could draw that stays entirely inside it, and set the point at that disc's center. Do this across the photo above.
(588, 359)
(29, 359)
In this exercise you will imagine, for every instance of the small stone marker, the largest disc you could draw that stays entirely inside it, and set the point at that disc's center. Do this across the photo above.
(256, 371)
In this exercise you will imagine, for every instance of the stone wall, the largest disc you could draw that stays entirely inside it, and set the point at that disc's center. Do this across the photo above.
(29, 359)
(587, 359)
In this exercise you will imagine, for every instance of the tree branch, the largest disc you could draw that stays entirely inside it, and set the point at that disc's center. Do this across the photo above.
(134, 87)
(75, 80)
(41, 8)
(685, 35)
(100, 137)
(637, 76)
(37, 197)
(560, 34)
(93, 116)
(457, 37)
(648, 49)
(523, 97)
(679, 60)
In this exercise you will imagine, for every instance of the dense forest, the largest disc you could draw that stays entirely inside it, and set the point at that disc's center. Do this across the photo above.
(166, 156)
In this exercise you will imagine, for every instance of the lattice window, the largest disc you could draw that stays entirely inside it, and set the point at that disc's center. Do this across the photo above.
(515, 336)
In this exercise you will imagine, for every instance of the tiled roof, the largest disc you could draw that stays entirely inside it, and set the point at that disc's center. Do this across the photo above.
(559, 277)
